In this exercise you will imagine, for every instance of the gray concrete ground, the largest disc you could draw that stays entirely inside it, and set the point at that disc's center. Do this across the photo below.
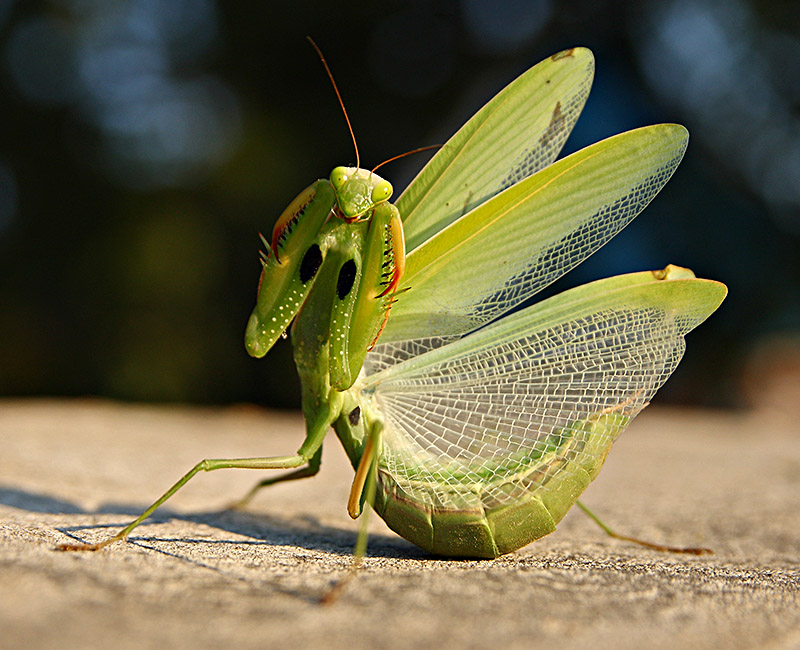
(198, 576)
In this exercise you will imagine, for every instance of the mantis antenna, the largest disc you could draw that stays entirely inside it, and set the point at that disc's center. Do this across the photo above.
(407, 153)
(338, 95)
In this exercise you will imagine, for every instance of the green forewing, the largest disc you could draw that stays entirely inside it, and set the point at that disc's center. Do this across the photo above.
(534, 401)
(520, 131)
(524, 238)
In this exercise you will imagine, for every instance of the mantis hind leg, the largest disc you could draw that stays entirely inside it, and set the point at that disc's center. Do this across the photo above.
(312, 469)
(658, 547)
(208, 465)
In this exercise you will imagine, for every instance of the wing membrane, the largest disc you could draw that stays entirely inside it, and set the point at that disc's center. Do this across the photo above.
(520, 131)
(518, 242)
(496, 415)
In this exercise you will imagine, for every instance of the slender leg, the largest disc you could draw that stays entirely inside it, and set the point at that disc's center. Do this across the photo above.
(365, 466)
(304, 472)
(658, 547)
(366, 483)
(274, 462)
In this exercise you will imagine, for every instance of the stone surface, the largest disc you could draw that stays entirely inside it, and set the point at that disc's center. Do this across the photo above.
(199, 576)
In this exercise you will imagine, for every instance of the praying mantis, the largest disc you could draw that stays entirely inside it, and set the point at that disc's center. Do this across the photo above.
(473, 422)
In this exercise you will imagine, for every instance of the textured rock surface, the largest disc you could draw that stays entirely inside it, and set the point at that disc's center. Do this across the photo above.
(198, 576)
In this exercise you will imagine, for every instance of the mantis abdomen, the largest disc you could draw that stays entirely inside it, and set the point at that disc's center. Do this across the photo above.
(486, 510)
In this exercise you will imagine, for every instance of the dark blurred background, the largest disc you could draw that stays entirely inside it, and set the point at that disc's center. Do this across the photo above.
(145, 143)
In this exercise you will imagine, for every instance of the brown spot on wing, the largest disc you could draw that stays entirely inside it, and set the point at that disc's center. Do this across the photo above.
(556, 126)
(564, 54)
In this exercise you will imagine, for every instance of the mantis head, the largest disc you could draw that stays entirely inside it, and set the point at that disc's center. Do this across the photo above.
(358, 191)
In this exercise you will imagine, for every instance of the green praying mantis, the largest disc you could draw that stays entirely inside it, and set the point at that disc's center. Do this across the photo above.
(474, 426)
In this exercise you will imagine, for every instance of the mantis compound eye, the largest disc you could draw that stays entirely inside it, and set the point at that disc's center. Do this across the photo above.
(382, 191)
(339, 177)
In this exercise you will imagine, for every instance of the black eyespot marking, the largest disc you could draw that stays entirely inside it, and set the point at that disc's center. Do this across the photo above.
(355, 416)
(312, 260)
(347, 276)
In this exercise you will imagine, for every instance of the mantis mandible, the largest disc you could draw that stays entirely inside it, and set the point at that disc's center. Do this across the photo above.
(473, 428)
